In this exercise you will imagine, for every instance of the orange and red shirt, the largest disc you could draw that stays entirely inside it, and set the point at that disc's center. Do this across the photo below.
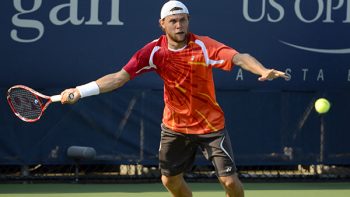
(189, 92)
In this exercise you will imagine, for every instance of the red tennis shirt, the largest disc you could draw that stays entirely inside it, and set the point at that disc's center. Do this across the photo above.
(189, 93)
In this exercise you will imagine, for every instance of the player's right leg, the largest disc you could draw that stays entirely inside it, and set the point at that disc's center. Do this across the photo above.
(176, 185)
(176, 156)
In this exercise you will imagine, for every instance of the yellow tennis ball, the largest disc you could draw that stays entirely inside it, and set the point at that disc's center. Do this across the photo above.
(322, 105)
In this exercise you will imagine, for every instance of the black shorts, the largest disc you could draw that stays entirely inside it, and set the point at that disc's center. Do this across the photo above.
(177, 152)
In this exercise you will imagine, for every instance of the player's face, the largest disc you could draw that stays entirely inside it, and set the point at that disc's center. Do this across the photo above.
(176, 28)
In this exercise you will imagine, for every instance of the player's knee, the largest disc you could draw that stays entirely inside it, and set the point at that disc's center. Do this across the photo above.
(231, 183)
(171, 181)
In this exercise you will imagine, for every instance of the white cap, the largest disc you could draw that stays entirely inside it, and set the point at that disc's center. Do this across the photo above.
(168, 6)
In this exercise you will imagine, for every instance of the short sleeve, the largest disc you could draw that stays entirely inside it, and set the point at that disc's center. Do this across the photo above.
(220, 55)
(139, 62)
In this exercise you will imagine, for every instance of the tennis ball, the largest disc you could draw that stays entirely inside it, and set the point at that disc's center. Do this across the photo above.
(322, 105)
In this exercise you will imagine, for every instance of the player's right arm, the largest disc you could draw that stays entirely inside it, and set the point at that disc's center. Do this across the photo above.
(113, 81)
(104, 84)
(138, 64)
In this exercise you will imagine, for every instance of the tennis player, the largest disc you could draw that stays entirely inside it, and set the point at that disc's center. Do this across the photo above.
(192, 117)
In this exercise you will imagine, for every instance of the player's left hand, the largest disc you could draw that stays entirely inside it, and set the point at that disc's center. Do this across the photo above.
(271, 74)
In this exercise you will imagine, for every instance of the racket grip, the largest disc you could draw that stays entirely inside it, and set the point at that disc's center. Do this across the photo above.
(56, 98)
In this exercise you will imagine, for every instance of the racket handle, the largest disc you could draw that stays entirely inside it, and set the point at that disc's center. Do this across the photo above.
(56, 98)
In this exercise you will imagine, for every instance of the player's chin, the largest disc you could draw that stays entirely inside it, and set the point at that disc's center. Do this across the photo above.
(179, 41)
(180, 37)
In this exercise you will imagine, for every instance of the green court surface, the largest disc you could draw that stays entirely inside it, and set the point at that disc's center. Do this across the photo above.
(156, 190)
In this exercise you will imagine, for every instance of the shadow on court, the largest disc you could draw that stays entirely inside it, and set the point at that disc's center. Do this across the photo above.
(157, 187)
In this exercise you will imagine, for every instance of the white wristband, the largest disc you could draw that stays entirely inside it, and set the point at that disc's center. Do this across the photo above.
(88, 89)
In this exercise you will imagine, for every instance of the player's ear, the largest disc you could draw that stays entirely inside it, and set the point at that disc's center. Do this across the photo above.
(161, 24)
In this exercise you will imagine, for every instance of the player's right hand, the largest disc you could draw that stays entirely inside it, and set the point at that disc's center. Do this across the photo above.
(70, 96)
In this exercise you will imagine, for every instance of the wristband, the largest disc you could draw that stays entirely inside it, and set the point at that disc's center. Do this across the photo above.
(88, 89)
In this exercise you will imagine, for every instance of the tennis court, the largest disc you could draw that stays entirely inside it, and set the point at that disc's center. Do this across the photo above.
(300, 189)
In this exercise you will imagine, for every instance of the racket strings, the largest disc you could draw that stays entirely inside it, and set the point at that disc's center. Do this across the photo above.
(25, 103)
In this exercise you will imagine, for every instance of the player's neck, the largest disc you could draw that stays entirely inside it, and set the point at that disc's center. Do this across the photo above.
(176, 50)
(174, 45)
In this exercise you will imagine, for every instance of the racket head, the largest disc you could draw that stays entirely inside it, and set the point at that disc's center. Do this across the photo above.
(26, 103)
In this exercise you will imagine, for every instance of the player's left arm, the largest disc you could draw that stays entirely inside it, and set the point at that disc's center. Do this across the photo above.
(249, 63)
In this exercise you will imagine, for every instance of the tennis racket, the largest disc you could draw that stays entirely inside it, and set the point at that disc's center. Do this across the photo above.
(28, 104)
